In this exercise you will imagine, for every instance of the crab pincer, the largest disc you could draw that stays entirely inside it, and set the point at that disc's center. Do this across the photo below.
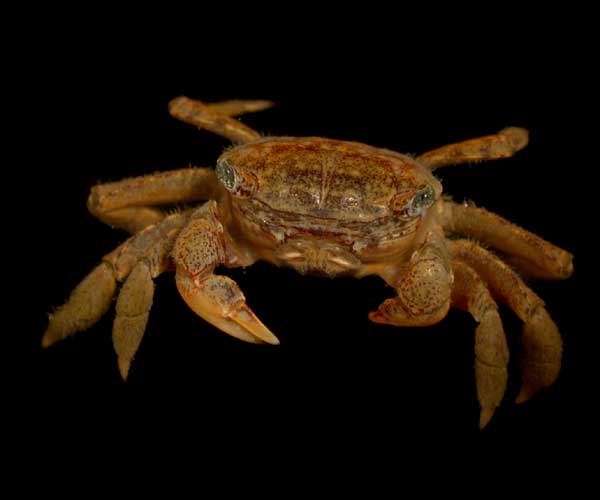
(199, 248)
(219, 300)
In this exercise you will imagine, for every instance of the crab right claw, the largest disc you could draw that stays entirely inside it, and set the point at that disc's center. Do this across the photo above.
(219, 300)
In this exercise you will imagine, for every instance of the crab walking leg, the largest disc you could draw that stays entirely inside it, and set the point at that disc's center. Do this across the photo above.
(236, 107)
(147, 259)
(423, 286)
(87, 304)
(536, 256)
(206, 117)
(541, 343)
(491, 350)
(126, 203)
(504, 144)
(93, 296)
(132, 219)
(133, 310)
(199, 248)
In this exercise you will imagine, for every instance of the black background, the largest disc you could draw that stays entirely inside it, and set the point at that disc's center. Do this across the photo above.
(96, 112)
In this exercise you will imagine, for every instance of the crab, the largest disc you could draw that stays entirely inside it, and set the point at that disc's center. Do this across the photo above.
(327, 207)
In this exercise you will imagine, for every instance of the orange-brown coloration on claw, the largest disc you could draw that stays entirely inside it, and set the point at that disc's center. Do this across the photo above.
(327, 207)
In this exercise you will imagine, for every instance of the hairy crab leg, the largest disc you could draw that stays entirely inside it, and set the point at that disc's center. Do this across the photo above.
(93, 296)
(132, 219)
(88, 302)
(126, 203)
(133, 310)
(423, 286)
(538, 257)
(199, 248)
(541, 342)
(210, 118)
(491, 350)
(236, 107)
(504, 144)
(141, 262)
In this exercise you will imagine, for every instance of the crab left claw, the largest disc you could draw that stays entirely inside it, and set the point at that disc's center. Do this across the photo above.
(199, 248)
(219, 300)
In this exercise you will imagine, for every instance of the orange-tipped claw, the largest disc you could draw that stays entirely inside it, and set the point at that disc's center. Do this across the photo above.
(220, 301)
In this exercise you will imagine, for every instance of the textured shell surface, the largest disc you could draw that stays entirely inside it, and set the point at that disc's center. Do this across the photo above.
(327, 178)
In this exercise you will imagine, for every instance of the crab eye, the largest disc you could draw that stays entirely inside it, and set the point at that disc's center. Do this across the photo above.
(423, 199)
(226, 175)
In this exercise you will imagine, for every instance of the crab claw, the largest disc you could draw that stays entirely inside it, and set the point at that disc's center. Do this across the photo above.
(220, 301)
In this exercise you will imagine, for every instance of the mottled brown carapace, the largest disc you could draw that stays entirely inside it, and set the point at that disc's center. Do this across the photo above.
(328, 179)
(326, 207)
(320, 191)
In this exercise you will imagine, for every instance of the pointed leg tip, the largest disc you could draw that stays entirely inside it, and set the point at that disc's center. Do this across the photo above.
(486, 415)
(525, 395)
(263, 104)
(48, 339)
(124, 365)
